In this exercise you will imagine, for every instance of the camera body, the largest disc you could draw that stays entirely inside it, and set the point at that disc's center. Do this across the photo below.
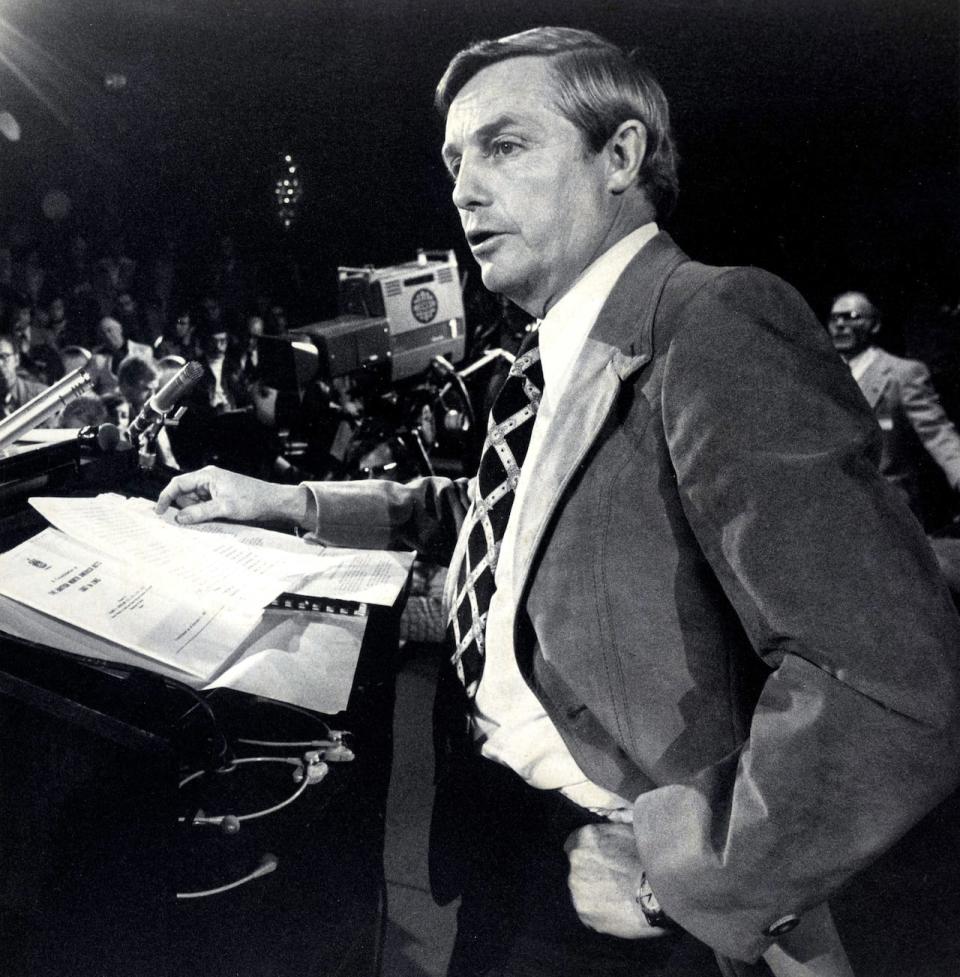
(393, 320)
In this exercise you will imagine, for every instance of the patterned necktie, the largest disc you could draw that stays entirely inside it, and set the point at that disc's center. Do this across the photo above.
(508, 437)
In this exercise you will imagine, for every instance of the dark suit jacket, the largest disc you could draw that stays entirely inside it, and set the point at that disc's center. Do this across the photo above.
(725, 609)
(911, 419)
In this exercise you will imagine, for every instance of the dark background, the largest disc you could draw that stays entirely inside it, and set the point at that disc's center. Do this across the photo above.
(819, 137)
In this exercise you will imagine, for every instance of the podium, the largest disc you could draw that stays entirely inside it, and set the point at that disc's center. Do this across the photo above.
(99, 833)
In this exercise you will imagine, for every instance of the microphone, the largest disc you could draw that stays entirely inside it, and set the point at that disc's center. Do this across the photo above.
(164, 401)
(104, 438)
(34, 412)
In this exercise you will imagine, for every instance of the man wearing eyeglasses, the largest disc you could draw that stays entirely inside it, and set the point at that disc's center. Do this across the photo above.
(903, 399)
(15, 390)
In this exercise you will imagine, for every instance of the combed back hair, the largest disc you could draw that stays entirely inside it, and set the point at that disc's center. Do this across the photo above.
(86, 409)
(599, 86)
(134, 370)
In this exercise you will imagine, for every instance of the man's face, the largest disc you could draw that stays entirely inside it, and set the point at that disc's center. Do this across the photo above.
(532, 197)
(9, 361)
(137, 394)
(852, 323)
(254, 331)
(22, 330)
(111, 332)
(216, 345)
(58, 311)
(183, 326)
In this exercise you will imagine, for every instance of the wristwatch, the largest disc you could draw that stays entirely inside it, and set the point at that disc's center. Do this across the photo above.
(650, 906)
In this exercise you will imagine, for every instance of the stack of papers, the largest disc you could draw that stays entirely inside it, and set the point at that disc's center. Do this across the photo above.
(189, 602)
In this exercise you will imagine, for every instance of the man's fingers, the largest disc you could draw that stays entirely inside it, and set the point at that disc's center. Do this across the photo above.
(201, 512)
(180, 487)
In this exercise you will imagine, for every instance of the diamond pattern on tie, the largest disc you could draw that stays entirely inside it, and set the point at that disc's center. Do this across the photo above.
(508, 438)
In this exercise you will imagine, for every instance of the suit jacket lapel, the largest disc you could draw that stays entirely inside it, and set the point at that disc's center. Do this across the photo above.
(619, 344)
(874, 378)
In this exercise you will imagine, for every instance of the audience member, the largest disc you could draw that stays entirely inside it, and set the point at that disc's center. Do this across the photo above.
(74, 357)
(222, 386)
(179, 338)
(903, 399)
(15, 389)
(38, 360)
(114, 348)
(137, 382)
(127, 312)
(248, 357)
(87, 410)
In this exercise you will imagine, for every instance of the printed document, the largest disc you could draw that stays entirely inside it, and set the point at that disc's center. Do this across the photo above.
(243, 563)
(65, 579)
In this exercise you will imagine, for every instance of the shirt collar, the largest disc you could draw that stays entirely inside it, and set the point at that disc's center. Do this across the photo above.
(565, 327)
(860, 363)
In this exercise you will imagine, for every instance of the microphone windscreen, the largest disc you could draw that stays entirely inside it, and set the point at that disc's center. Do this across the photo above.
(108, 437)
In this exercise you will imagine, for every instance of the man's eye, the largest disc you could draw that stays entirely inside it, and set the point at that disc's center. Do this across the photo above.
(505, 147)
(453, 168)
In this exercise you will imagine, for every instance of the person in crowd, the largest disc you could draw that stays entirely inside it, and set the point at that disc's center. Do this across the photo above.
(248, 355)
(168, 366)
(126, 310)
(75, 274)
(137, 381)
(113, 349)
(222, 387)
(229, 279)
(15, 389)
(704, 669)
(39, 360)
(180, 338)
(75, 357)
(31, 277)
(55, 329)
(902, 397)
(118, 267)
(276, 320)
(7, 286)
(85, 411)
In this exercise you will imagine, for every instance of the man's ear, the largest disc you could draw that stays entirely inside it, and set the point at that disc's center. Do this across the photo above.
(626, 150)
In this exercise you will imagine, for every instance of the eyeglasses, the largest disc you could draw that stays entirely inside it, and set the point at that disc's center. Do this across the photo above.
(5, 357)
(851, 316)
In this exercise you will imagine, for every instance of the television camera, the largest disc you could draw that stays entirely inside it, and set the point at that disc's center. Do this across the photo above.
(380, 390)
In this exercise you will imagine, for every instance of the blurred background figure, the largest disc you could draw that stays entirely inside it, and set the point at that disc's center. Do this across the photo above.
(74, 357)
(86, 410)
(114, 347)
(179, 338)
(39, 361)
(15, 390)
(912, 421)
(137, 382)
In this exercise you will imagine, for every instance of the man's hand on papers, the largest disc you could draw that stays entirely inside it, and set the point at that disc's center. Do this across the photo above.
(213, 493)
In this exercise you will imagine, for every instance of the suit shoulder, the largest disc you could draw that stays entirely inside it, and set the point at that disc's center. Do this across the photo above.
(710, 300)
(901, 365)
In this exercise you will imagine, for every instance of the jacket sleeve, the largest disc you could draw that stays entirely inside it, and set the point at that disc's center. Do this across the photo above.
(855, 733)
(425, 514)
(928, 418)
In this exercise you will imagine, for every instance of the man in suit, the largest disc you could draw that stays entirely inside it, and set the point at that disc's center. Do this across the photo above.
(15, 390)
(115, 346)
(902, 397)
(687, 695)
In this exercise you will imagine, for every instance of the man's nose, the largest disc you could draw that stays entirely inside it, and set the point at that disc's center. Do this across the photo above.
(470, 189)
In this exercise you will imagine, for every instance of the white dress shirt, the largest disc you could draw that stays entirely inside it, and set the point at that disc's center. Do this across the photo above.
(508, 718)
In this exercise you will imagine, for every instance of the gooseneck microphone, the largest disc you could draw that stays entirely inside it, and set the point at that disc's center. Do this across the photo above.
(164, 401)
(34, 412)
